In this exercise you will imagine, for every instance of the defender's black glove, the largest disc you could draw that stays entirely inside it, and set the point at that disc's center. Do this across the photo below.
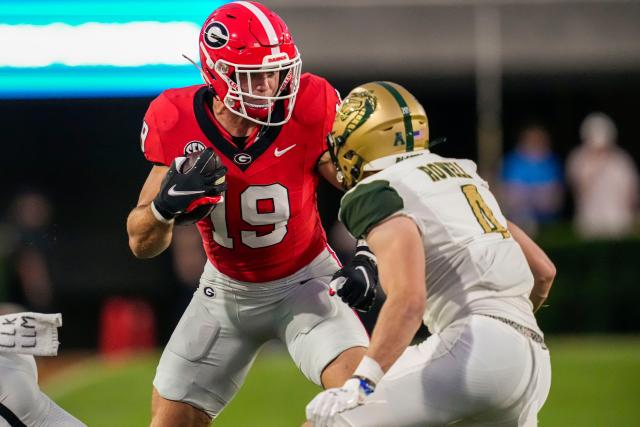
(188, 185)
(356, 282)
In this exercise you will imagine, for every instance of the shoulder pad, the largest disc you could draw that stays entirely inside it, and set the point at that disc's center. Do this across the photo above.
(166, 108)
(313, 100)
(162, 116)
(367, 204)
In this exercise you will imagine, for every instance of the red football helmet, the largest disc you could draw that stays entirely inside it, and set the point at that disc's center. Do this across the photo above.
(240, 43)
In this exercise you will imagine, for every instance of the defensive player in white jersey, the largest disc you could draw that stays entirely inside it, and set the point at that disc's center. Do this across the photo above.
(23, 335)
(446, 256)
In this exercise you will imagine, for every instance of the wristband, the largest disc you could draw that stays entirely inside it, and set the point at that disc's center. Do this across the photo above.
(369, 369)
(366, 385)
(363, 249)
(159, 216)
(361, 242)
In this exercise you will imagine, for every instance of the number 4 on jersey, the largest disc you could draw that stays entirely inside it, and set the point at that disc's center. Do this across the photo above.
(483, 212)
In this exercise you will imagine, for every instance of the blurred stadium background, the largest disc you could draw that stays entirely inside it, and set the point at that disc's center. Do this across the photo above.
(76, 78)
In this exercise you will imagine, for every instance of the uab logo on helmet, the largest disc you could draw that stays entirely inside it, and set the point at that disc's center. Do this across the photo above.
(357, 109)
(216, 35)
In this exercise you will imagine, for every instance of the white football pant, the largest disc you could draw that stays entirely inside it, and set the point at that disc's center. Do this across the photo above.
(477, 372)
(21, 401)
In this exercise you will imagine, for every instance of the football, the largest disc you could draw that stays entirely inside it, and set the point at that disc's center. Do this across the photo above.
(203, 207)
(192, 158)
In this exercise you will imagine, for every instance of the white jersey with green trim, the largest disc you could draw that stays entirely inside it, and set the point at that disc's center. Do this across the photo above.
(473, 265)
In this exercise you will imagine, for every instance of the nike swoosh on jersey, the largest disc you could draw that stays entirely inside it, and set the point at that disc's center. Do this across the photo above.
(279, 153)
(173, 192)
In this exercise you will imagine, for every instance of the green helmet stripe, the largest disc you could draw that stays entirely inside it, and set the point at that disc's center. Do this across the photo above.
(406, 114)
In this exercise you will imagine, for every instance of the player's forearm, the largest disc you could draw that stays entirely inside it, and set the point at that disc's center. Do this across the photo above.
(401, 265)
(542, 282)
(541, 287)
(148, 237)
(397, 324)
(542, 268)
(537, 300)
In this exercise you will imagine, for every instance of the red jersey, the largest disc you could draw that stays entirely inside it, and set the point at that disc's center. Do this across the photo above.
(268, 226)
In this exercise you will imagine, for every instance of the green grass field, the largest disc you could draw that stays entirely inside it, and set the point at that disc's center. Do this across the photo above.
(596, 383)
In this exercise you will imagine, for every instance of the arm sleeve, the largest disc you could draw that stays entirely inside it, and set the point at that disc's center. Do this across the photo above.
(332, 103)
(332, 97)
(368, 204)
(150, 138)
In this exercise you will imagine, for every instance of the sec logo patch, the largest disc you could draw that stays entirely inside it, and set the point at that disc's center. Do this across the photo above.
(193, 147)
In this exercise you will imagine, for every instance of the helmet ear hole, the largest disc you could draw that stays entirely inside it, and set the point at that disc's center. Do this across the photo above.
(349, 154)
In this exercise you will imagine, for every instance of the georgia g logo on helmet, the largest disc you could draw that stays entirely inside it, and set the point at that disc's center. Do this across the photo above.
(216, 35)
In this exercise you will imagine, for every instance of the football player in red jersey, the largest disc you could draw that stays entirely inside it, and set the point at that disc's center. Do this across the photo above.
(269, 265)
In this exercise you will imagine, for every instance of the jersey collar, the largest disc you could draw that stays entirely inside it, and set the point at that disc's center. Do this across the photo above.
(242, 158)
(385, 162)
(249, 140)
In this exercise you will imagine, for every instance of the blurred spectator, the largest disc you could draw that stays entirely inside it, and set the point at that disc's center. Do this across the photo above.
(28, 231)
(532, 180)
(604, 180)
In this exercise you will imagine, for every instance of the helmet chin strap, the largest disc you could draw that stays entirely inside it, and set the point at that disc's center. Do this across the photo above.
(285, 81)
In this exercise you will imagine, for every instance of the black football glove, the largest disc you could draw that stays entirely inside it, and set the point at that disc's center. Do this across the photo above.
(181, 191)
(356, 282)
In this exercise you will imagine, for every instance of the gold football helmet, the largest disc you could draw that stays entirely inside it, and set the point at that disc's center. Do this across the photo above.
(379, 124)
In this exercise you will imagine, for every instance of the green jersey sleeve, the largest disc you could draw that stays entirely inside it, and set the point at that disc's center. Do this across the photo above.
(367, 205)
